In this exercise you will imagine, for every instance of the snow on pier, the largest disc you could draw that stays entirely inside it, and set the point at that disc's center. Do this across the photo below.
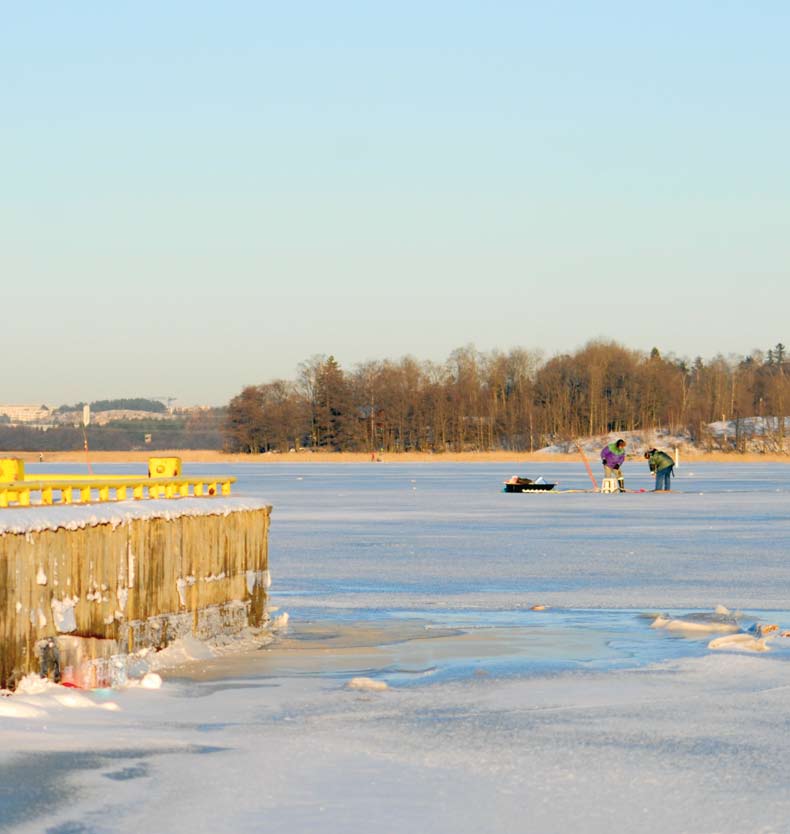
(81, 586)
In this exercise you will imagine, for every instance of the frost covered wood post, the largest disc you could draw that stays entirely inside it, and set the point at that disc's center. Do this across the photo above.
(103, 580)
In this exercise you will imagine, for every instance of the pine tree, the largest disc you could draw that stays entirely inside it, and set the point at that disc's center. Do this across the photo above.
(333, 412)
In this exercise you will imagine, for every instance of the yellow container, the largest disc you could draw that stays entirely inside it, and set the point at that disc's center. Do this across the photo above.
(12, 469)
(164, 467)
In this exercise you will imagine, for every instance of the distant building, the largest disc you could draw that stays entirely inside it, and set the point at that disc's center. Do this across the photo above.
(101, 418)
(26, 413)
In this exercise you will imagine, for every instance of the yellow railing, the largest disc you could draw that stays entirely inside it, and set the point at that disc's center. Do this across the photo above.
(85, 489)
(119, 488)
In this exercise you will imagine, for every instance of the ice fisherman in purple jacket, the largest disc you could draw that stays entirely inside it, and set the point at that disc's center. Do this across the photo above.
(612, 457)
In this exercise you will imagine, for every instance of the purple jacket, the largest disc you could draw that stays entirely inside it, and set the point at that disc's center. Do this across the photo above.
(611, 456)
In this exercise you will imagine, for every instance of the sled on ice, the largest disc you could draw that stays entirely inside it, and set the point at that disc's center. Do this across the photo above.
(519, 484)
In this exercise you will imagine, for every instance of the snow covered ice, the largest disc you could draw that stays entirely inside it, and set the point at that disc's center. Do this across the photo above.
(472, 712)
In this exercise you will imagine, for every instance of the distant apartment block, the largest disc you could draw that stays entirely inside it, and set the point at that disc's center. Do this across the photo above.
(26, 413)
(101, 418)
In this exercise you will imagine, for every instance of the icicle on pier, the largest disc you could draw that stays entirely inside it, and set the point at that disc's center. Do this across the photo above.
(85, 584)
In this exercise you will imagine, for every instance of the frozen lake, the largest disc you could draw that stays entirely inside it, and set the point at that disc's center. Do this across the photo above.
(497, 717)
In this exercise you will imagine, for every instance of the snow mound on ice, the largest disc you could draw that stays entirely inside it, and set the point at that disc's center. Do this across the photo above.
(74, 700)
(743, 641)
(281, 621)
(751, 640)
(10, 708)
(367, 684)
(151, 681)
(721, 619)
(32, 684)
(183, 650)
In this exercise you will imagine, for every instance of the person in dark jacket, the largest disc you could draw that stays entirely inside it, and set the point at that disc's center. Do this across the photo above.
(662, 464)
(612, 457)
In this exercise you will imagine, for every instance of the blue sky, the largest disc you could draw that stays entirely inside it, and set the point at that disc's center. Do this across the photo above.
(198, 196)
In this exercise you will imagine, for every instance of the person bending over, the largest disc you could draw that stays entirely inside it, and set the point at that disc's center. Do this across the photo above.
(612, 457)
(662, 464)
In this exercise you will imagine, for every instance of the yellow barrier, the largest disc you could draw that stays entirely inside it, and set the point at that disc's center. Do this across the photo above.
(115, 488)
(16, 487)
(12, 469)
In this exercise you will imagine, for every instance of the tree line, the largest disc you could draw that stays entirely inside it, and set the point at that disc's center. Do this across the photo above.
(514, 400)
(124, 404)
